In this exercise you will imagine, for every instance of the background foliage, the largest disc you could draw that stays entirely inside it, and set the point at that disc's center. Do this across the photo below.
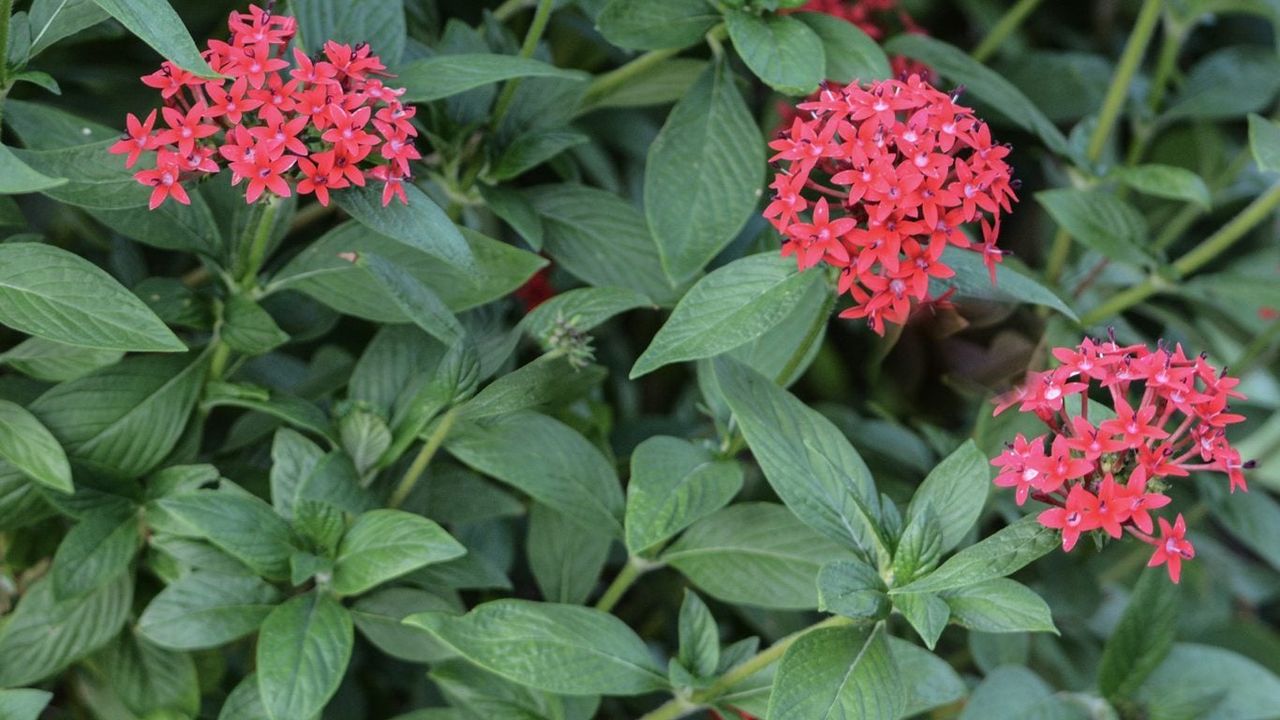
(312, 488)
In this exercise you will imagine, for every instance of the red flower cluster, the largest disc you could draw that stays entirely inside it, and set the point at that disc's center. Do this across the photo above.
(327, 124)
(1170, 418)
(896, 168)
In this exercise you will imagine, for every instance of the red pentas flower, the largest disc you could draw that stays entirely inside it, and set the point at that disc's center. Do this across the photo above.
(1166, 416)
(311, 125)
(877, 180)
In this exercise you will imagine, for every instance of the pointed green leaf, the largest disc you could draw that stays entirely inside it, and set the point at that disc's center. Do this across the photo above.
(1000, 554)
(956, 490)
(837, 673)
(303, 650)
(43, 635)
(851, 54)
(29, 446)
(703, 175)
(238, 523)
(16, 177)
(418, 302)
(1264, 142)
(445, 75)
(23, 704)
(385, 544)
(51, 293)
(97, 549)
(562, 649)
(420, 224)
(674, 483)
(1143, 638)
(655, 24)
(1166, 181)
(1101, 221)
(156, 24)
(203, 610)
(999, 605)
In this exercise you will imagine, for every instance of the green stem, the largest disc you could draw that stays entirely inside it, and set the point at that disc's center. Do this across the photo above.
(679, 707)
(1187, 216)
(1010, 21)
(612, 80)
(504, 11)
(1130, 59)
(815, 329)
(218, 364)
(1204, 253)
(1059, 251)
(625, 578)
(1165, 64)
(6, 10)
(257, 250)
(428, 451)
(531, 38)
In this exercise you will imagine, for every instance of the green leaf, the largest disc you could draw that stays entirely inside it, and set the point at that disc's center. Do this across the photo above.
(550, 380)
(303, 650)
(985, 84)
(927, 613)
(478, 693)
(602, 240)
(1253, 520)
(244, 702)
(146, 678)
(239, 524)
(754, 554)
(23, 704)
(249, 329)
(1143, 637)
(16, 177)
(1166, 181)
(851, 54)
(853, 589)
(557, 466)
(1013, 692)
(513, 208)
(973, 280)
(531, 150)
(420, 224)
(562, 649)
(385, 544)
(956, 490)
(999, 605)
(780, 49)
(295, 411)
(1079, 86)
(1264, 142)
(445, 75)
(156, 24)
(320, 273)
(674, 483)
(836, 673)
(1230, 82)
(564, 557)
(43, 635)
(1209, 683)
(583, 309)
(663, 83)
(920, 546)
(1101, 221)
(123, 420)
(172, 226)
(417, 301)
(656, 24)
(31, 448)
(53, 294)
(97, 549)
(1000, 554)
(53, 20)
(56, 362)
(930, 680)
(699, 650)
(703, 175)
(805, 458)
(380, 618)
(203, 610)
(381, 23)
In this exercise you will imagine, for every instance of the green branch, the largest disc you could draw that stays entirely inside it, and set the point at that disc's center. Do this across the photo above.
(1010, 21)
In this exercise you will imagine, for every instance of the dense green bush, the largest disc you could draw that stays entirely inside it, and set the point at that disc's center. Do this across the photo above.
(572, 359)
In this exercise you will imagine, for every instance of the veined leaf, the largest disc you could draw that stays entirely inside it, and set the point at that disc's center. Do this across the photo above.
(836, 673)
(203, 610)
(445, 75)
(385, 544)
(1003, 553)
(780, 49)
(655, 24)
(156, 23)
(303, 650)
(29, 446)
(674, 484)
(1143, 638)
(851, 54)
(420, 224)
(43, 635)
(16, 177)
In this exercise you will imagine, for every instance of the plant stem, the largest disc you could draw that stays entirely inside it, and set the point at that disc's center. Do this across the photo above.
(531, 38)
(1166, 63)
(428, 451)
(1186, 217)
(1204, 253)
(679, 707)
(623, 582)
(509, 8)
(819, 322)
(257, 251)
(6, 10)
(1010, 21)
(1059, 251)
(610, 81)
(1130, 59)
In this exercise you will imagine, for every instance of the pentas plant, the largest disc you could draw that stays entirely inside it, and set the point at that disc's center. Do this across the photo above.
(1166, 418)
(878, 181)
(314, 125)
